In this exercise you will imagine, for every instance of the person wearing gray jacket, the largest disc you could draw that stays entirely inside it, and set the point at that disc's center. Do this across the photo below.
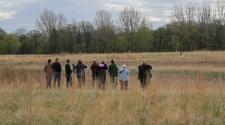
(123, 77)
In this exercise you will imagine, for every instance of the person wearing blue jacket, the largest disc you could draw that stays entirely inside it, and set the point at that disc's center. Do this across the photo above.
(80, 72)
(123, 77)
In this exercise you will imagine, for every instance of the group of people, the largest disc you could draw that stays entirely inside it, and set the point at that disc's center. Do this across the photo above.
(98, 74)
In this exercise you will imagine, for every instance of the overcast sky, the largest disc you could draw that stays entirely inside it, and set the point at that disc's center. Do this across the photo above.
(23, 13)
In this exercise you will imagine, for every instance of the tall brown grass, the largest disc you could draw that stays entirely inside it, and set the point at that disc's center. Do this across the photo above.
(180, 93)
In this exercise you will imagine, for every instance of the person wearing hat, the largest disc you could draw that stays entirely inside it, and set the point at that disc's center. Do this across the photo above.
(123, 77)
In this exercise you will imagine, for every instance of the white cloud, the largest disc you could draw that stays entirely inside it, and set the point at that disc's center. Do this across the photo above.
(6, 15)
(115, 7)
(9, 8)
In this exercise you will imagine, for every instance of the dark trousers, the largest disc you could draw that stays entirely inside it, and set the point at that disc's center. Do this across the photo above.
(68, 80)
(94, 79)
(57, 79)
(113, 81)
(79, 81)
(102, 80)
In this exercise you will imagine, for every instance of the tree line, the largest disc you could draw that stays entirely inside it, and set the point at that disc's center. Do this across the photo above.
(191, 28)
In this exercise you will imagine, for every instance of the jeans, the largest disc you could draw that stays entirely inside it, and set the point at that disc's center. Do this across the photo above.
(68, 80)
(57, 78)
(79, 79)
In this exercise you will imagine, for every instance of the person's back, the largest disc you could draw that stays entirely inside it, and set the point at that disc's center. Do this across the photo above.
(123, 74)
(48, 69)
(94, 72)
(141, 72)
(57, 72)
(94, 68)
(56, 67)
(48, 73)
(113, 70)
(68, 74)
(80, 69)
(102, 69)
(123, 77)
(144, 74)
(68, 69)
(102, 74)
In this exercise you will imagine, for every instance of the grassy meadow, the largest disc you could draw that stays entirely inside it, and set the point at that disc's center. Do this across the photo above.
(190, 91)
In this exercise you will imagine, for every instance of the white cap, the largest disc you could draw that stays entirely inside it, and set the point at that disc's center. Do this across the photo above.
(124, 66)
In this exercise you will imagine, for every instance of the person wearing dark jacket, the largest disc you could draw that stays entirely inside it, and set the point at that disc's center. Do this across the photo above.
(57, 72)
(113, 72)
(102, 74)
(144, 74)
(94, 72)
(80, 72)
(68, 74)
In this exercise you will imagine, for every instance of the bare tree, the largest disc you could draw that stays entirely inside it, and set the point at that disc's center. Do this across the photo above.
(86, 30)
(20, 31)
(190, 13)
(103, 19)
(178, 14)
(105, 30)
(131, 21)
(48, 21)
(219, 13)
(205, 14)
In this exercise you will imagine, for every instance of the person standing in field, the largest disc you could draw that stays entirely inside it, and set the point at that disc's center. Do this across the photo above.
(123, 77)
(144, 74)
(68, 74)
(48, 73)
(94, 72)
(57, 72)
(80, 71)
(113, 72)
(102, 75)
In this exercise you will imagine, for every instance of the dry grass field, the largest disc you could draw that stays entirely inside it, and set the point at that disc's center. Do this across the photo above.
(182, 92)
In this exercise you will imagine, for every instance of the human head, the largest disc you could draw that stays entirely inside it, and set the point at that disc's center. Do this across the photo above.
(124, 66)
(94, 61)
(79, 62)
(49, 61)
(56, 59)
(103, 62)
(68, 61)
(143, 62)
(112, 61)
